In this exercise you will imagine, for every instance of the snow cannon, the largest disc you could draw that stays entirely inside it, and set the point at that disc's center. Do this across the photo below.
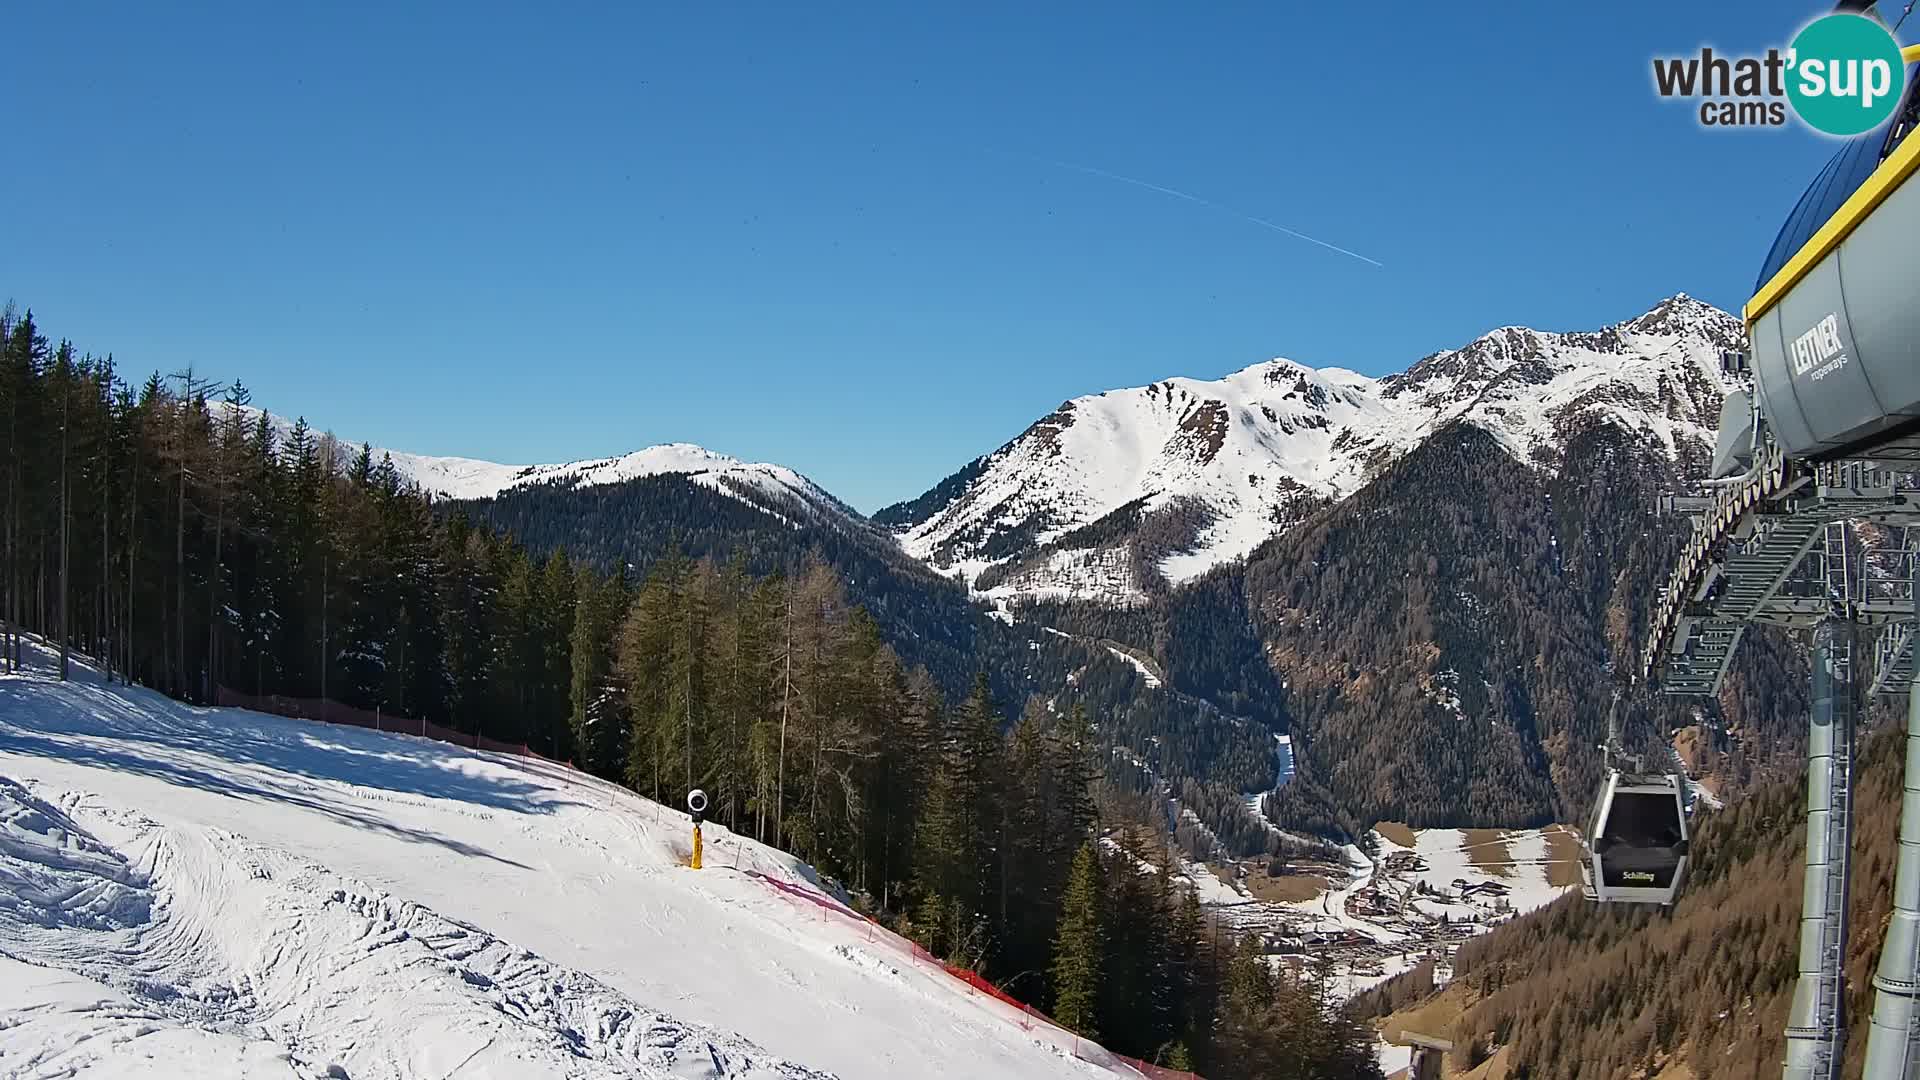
(697, 806)
(1834, 322)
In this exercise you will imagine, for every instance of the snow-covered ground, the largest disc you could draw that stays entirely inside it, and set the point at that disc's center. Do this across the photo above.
(1207, 885)
(1337, 901)
(1146, 673)
(1392, 1058)
(1450, 855)
(218, 893)
(1282, 759)
(1699, 795)
(58, 1024)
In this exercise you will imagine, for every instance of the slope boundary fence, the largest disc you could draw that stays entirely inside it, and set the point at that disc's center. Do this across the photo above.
(327, 711)
(1083, 1049)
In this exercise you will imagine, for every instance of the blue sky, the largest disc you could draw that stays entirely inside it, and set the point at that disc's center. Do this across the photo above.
(870, 241)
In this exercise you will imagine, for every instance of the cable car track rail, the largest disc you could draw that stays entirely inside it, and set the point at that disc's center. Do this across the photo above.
(1747, 563)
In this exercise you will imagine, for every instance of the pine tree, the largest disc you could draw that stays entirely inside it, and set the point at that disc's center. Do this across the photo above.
(1079, 947)
(1031, 883)
(975, 749)
(468, 606)
(1193, 989)
(552, 657)
(767, 671)
(641, 661)
(599, 731)
(734, 691)
(903, 781)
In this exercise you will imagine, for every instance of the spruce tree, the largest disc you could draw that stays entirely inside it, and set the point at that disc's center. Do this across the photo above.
(598, 729)
(1079, 946)
(551, 657)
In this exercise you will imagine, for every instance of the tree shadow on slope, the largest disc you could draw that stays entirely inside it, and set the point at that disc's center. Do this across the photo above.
(86, 721)
(16, 740)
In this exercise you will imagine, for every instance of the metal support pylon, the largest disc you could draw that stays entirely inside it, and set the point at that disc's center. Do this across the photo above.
(1817, 1023)
(1893, 1040)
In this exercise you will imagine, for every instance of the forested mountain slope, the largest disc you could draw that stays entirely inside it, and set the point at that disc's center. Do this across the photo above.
(1582, 990)
(1438, 640)
(1446, 635)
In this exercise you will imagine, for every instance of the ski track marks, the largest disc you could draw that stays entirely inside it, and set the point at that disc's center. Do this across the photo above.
(319, 969)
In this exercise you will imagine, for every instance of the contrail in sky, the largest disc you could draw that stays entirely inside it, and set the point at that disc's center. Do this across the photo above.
(1192, 198)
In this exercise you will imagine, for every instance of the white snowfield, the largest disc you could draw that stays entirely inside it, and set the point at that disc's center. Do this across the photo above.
(1450, 856)
(217, 893)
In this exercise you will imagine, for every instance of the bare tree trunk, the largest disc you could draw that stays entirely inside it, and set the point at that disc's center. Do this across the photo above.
(213, 590)
(133, 559)
(10, 611)
(689, 709)
(9, 634)
(6, 568)
(786, 695)
(326, 569)
(735, 750)
(104, 603)
(180, 574)
(1002, 860)
(65, 513)
(819, 738)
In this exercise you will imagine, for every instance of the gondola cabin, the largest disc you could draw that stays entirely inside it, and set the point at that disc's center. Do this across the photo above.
(1638, 842)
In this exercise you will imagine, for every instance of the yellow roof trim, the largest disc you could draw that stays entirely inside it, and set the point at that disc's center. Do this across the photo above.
(1883, 182)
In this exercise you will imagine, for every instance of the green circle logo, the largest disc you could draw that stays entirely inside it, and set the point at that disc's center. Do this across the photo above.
(1845, 74)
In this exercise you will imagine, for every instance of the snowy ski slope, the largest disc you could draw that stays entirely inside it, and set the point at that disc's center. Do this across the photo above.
(218, 893)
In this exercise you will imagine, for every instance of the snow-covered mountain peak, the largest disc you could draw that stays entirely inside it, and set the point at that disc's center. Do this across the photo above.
(706, 466)
(1681, 315)
(1167, 480)
(775, 488)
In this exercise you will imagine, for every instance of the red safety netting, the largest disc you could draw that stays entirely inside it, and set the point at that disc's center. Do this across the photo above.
(330, 712)
(1029, 1016)
(333, 712)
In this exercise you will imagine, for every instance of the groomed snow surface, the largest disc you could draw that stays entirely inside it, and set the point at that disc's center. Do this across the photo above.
(218, 893)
